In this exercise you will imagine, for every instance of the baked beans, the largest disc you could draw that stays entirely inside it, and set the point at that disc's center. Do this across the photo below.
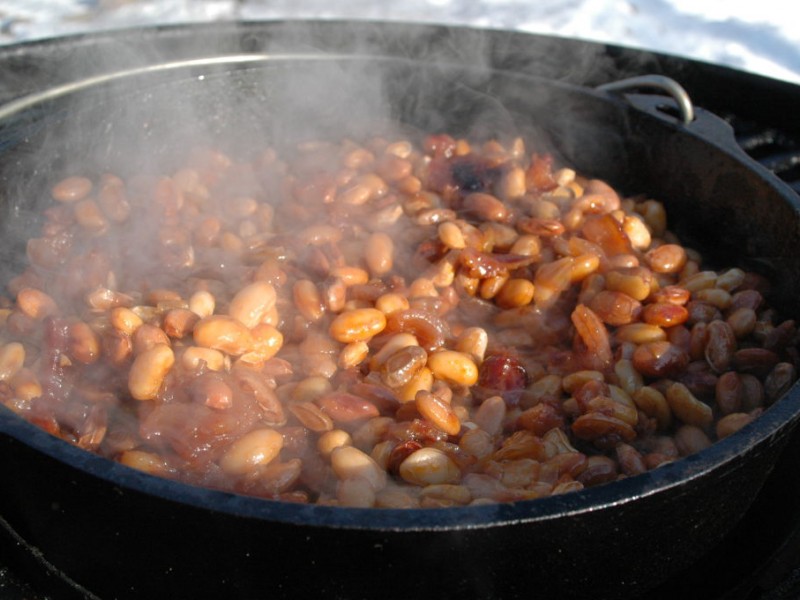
(385, 323)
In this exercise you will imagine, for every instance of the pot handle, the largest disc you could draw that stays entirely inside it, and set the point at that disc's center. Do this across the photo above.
(657, 82)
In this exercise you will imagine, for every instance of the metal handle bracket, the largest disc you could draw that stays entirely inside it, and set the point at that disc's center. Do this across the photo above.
(657, 82)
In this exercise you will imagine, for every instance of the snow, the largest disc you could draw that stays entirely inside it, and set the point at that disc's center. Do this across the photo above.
(759, 36)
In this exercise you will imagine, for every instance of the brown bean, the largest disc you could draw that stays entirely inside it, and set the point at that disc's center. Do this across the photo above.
(485, 207)
(379, 254)
(691, 439)
(686, 407)
(615, 308)
(756, 361)
(730, 424)
(728, 393)
(779, 380)
(399, 368)
(659, 359)
(179, 322)
(668, 258)
(344, 407)
(84, 344)
(720, 346)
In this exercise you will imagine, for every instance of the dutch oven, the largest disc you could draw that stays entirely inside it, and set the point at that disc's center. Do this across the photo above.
(119, 533)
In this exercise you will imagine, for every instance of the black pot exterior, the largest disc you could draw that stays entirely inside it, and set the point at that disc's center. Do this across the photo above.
(121, 534)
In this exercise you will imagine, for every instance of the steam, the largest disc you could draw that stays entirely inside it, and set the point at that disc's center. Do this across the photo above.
(254, 91)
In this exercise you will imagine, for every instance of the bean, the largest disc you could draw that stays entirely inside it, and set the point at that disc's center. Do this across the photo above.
(702, 280)
(742, 322)
(714, 296)
(637, 232)
(779, 380)
(202, 303)
(311, 416)
(671, 294)
(146, 336)
(453, 367)
(730, 424)
(659, 359)
(223, 333)
(254, 449)
(84, 344)
(379, 254)
(514, 293)
(344, 407)
(148, 371)
(355, 493)
(668, 258)
(179, 322)
(451, 236)
(429, 466)
(691, 439)
(423, 380)
(357, 325)
(636, 282)
(438, 412)
(194, 356)
(473, 341)
(720, 346)
(654, 404)
(352, 355)
(252, 303)
(12, 359)
(330, 440)
(630, 460)
(349, 462)
(147, 462)
(485, 207)
(731, 279)
(36, 303)
(591, 330)
(615, 308)
(72, 189)
(399, 368)
(308, 300)
(629, 378)
(686, 407)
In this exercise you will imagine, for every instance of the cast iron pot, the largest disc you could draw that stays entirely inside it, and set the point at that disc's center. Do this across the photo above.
(119, 533)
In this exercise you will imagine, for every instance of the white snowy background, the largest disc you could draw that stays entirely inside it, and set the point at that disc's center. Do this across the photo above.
(761, 36)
